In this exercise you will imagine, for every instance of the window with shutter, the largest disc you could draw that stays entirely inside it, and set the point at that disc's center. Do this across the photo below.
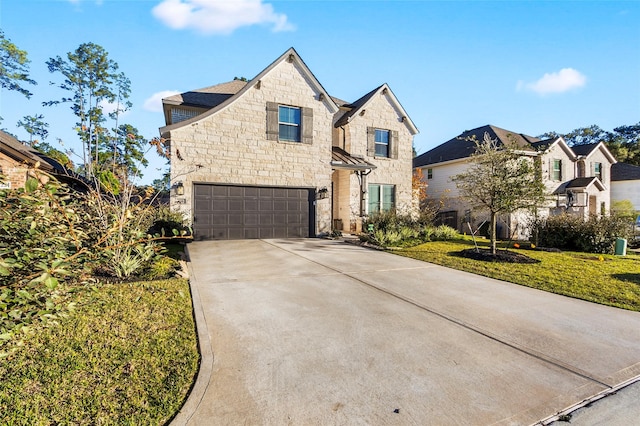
(289, 123)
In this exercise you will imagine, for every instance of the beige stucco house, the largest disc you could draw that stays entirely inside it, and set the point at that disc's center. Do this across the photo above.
(277, 156)
(577, 179)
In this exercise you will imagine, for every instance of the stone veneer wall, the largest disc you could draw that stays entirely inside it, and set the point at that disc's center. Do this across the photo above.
(380, 113)
(231, 147)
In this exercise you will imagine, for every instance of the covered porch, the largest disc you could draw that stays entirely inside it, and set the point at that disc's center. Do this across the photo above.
(348, 190)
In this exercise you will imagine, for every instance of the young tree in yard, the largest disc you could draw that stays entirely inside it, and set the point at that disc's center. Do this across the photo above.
(91, 80)
(34, 126)
(500, 180)
(14, 67)
(125, 150)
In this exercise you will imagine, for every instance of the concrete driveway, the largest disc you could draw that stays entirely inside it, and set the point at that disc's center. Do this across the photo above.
(310, 332)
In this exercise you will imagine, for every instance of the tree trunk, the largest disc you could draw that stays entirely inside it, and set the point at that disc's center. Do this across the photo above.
(492, 234)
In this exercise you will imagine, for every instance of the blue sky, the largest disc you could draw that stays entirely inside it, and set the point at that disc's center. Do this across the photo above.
(526, 66)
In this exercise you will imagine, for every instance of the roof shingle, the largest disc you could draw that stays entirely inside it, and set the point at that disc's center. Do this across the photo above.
(463, 146)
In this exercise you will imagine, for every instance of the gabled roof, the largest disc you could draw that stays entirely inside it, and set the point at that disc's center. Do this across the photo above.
(584, 149)
(18, 151)
(463, 146)
(580, 183)
(207, 97)
(360, 105)
(587, 149)
(290, 55)
(624, 171)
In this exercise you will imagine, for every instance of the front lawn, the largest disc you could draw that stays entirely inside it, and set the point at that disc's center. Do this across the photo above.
(127, 355)
(605, 279)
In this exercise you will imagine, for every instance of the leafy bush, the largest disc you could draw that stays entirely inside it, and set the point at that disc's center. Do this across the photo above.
(444, 233)
(52, 238)
(390, 229)
(41, 245)
(169, 224)
(568, 232)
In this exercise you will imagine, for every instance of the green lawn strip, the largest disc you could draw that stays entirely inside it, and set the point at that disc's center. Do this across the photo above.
(127, 355)
(605, 279)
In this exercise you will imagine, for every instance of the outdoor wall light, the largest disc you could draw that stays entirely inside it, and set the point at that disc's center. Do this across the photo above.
(179, 188)
(322, 193)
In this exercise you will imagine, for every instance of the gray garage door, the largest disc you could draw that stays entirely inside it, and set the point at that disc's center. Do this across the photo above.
(226, 212)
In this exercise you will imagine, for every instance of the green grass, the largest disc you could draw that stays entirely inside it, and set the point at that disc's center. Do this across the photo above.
(127, 355)
(605, 279)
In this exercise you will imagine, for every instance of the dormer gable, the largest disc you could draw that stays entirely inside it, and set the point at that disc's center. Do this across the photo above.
(359, 108)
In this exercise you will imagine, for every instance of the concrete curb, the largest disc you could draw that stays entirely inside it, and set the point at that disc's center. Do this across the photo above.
(605, 393)
(206, 355)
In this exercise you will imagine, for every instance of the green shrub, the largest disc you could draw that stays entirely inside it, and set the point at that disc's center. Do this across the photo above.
(390, 229)
(568, 232)
(169, 224)
(161, 267)
(444, 233)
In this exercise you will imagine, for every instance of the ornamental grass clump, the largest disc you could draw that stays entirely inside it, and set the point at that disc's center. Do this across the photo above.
(390, 229)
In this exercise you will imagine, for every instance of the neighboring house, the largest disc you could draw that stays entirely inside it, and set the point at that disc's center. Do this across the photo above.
(277, 156)
(578, 178)
(625, 183)
(18, 160)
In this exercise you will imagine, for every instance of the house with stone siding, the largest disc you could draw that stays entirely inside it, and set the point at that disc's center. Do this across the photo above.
(277, 156)
(577, 178)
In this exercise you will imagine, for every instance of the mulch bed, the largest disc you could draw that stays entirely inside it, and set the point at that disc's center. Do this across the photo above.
(500, 256)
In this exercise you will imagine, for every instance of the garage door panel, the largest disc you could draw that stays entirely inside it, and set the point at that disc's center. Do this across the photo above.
(236, 191)
(266, 219)
(216, 219)
(237, 212)
(236, 205)
(219, 191)
(250, 219)
(220, 205)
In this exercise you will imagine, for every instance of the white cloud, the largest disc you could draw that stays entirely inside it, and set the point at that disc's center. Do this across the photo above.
(219, 16)
(154, 102)
(556, 82)
(108, 108)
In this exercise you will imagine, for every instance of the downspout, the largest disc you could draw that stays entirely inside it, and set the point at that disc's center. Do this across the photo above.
(363, 191)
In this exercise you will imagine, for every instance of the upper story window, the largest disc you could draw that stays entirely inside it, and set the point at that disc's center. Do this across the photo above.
(382, 143)
(429, 173)
(556, 170)
(289, 123)
(597, 170)
(181, 114)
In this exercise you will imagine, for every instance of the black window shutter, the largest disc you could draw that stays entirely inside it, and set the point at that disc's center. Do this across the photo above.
(273, 130)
